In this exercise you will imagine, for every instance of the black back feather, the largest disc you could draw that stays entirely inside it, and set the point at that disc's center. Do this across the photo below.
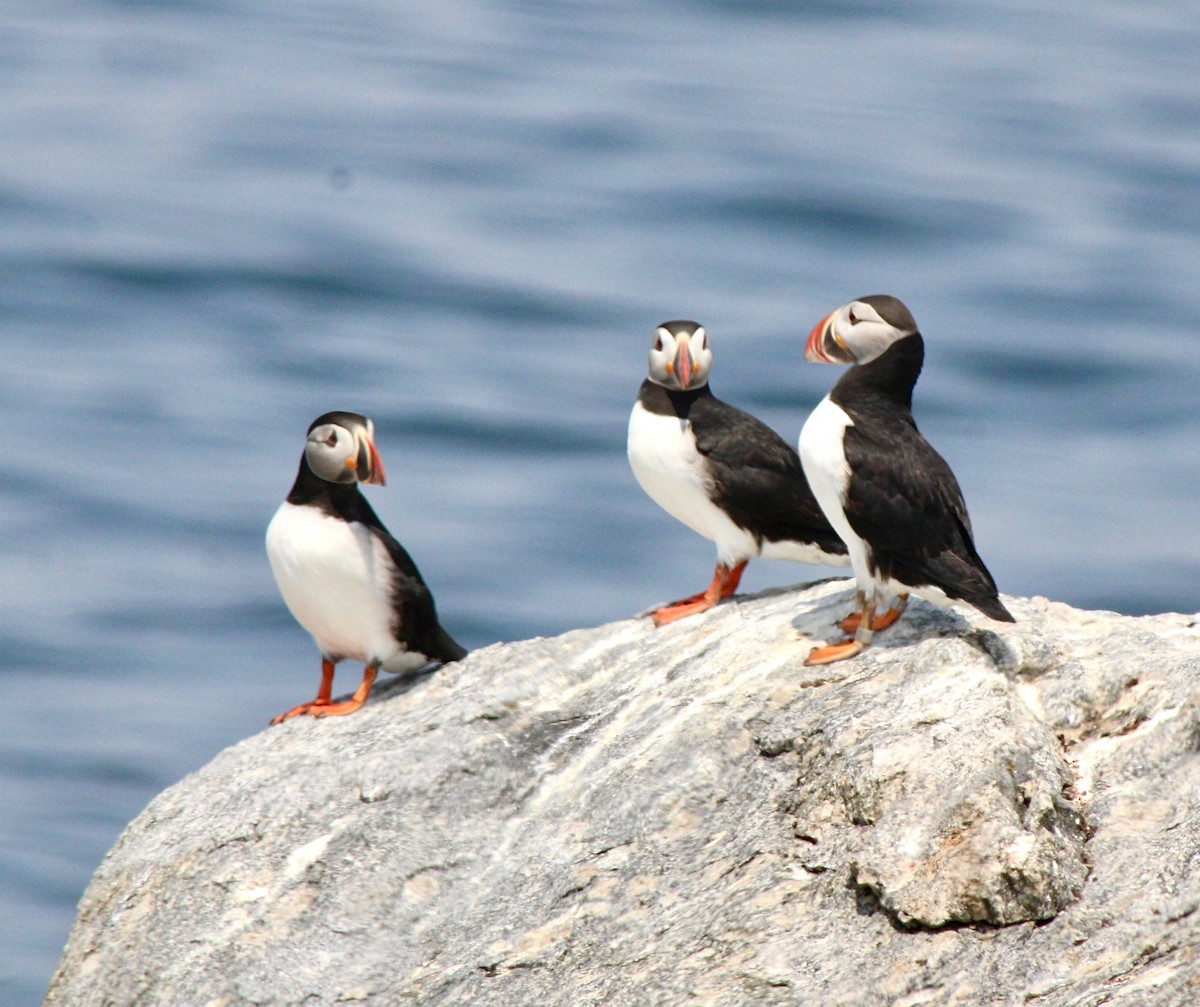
(903, 499)
(756, 475)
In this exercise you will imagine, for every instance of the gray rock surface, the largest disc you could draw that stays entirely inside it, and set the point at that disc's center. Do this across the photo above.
(969, 813)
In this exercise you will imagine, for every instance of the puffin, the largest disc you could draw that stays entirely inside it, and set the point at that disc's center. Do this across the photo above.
(891, 497)
(722, 472)
(343, 576)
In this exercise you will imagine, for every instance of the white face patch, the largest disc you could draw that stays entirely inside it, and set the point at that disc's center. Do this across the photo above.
(666, 360)
(858, 327)
(327, 451)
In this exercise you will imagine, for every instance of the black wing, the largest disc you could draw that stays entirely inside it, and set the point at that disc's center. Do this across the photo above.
(904, 501)
(757, 478)
(415, 623)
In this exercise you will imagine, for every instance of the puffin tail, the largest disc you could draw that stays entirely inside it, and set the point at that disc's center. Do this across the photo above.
(446, 649)
(993, 608)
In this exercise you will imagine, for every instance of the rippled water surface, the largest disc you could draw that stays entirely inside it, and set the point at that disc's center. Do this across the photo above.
(220, 219)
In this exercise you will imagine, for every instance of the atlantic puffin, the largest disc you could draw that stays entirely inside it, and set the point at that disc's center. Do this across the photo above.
(891, 497)
(341, 573)
(723, 473)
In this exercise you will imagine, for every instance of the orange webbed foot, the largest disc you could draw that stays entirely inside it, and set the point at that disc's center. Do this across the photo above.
(724, 583)
(834, 652)
(681, 610)
(323, 706)
(850, 624)
(319, 709)
(303, 710)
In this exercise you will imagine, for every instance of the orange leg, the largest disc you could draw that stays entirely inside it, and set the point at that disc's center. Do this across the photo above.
(849, 625)
(724, 583)
(862, 636)
(323, 705)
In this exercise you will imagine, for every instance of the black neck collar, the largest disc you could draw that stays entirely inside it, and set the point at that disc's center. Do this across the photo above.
(670, 402)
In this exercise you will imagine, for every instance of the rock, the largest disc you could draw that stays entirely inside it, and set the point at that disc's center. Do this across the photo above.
(968, 813)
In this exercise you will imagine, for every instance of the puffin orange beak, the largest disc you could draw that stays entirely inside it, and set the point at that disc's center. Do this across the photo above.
(683, 365)
(814, 349)
(825, 346)
(370, 465)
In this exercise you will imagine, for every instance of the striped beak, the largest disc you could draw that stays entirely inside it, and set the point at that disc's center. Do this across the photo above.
(369, 466)
(825, 346)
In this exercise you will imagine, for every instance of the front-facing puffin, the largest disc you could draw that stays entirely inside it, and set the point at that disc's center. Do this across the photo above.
(889, 494)
(723, 473)
(343, 576)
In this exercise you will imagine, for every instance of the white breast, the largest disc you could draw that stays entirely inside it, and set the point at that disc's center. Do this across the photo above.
(664, 459)
(335, 577)
(823, 457)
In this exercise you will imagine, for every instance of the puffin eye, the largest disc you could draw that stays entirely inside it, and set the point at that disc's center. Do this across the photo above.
(853, 317)
(331, 440)
(704, 342)
(658, 344)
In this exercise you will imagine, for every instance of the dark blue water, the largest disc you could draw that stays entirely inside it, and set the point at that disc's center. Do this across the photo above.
(219, 219)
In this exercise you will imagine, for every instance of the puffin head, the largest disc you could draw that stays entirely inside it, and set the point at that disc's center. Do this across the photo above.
(679, 356)
(341, 449)
(860, 331)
